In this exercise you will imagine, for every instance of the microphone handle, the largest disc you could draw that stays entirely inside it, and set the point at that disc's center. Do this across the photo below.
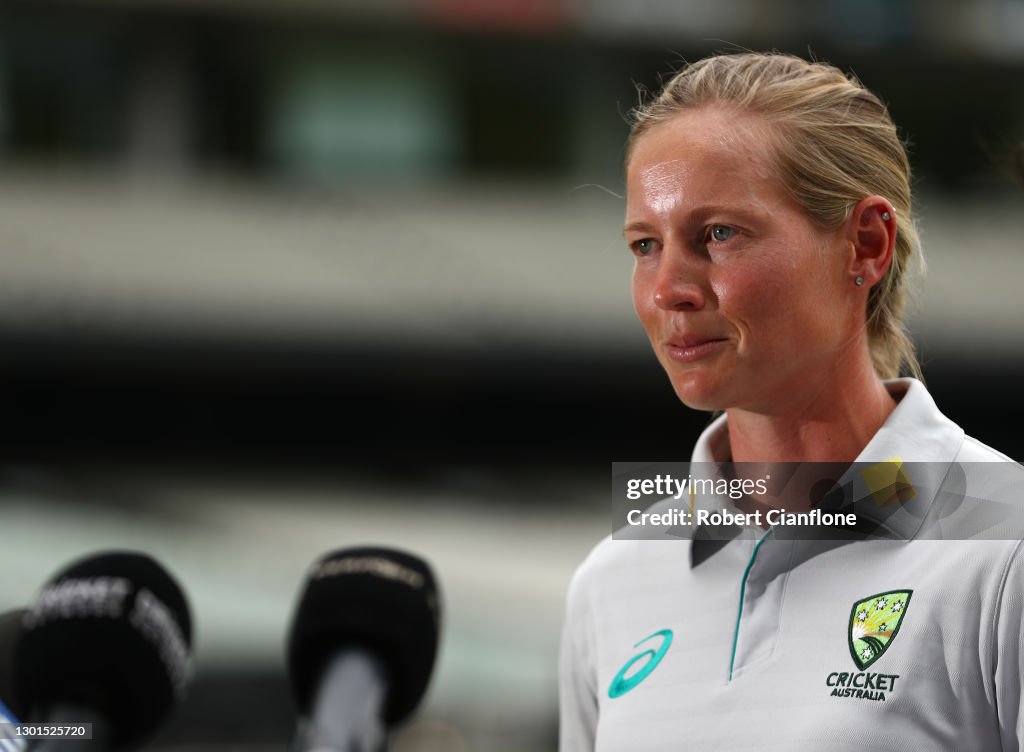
(348, 706)
(71, 715)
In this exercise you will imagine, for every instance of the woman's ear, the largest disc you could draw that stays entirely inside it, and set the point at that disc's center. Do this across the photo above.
(871, 231)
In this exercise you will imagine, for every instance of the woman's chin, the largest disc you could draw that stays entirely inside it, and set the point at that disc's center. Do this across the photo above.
(698, 392)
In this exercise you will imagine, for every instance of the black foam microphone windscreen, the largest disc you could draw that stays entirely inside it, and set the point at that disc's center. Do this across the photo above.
(112, 633)
(377, 599)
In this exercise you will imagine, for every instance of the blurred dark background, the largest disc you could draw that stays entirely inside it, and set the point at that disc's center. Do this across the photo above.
(282, 276)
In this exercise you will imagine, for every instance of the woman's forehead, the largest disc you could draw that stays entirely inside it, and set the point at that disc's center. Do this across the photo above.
(704, 156)
(725, 134)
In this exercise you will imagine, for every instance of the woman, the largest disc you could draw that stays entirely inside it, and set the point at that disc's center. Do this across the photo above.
(769, 212)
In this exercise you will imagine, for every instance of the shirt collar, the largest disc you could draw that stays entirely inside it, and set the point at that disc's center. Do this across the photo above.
(915, 432)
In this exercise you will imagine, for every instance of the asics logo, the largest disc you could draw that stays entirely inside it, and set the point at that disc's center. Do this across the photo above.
(624, 681)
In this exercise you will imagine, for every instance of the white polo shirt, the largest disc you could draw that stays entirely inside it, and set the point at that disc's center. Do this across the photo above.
(769, 643)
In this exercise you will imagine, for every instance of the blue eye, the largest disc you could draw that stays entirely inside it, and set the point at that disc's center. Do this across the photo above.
(721, 233)
(642, 247)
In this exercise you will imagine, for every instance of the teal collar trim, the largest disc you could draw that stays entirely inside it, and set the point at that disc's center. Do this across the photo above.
(743, 591)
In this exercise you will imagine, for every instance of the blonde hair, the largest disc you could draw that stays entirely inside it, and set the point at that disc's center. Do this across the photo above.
(835, 145)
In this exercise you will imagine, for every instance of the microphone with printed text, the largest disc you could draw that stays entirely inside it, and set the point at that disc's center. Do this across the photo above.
(361, 648)
(107, 642)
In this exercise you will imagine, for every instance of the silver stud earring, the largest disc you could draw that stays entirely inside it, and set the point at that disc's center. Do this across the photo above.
(859, 281)
(886, 216)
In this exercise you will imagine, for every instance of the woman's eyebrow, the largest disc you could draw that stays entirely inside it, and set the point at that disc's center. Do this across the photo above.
(746, 210)
(637, 227)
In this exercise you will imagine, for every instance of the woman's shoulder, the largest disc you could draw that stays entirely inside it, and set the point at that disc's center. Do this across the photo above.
(618, 561)
(973, 450)
(918, 431)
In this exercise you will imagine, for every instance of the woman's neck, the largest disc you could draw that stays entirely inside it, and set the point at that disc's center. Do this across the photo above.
(830, 423)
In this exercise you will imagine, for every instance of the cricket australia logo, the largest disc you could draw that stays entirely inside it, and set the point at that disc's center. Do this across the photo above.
(874, 623)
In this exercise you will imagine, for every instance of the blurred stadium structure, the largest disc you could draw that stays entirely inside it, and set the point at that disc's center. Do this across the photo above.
(284, 276)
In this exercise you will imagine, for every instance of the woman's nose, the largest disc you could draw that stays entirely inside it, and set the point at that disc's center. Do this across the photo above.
(677, 285)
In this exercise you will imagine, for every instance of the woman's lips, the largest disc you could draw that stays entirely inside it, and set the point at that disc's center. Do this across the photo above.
(689, 349)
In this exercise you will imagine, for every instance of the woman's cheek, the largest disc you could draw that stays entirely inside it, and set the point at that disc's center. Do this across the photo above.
(643, 299)
(750, 295)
